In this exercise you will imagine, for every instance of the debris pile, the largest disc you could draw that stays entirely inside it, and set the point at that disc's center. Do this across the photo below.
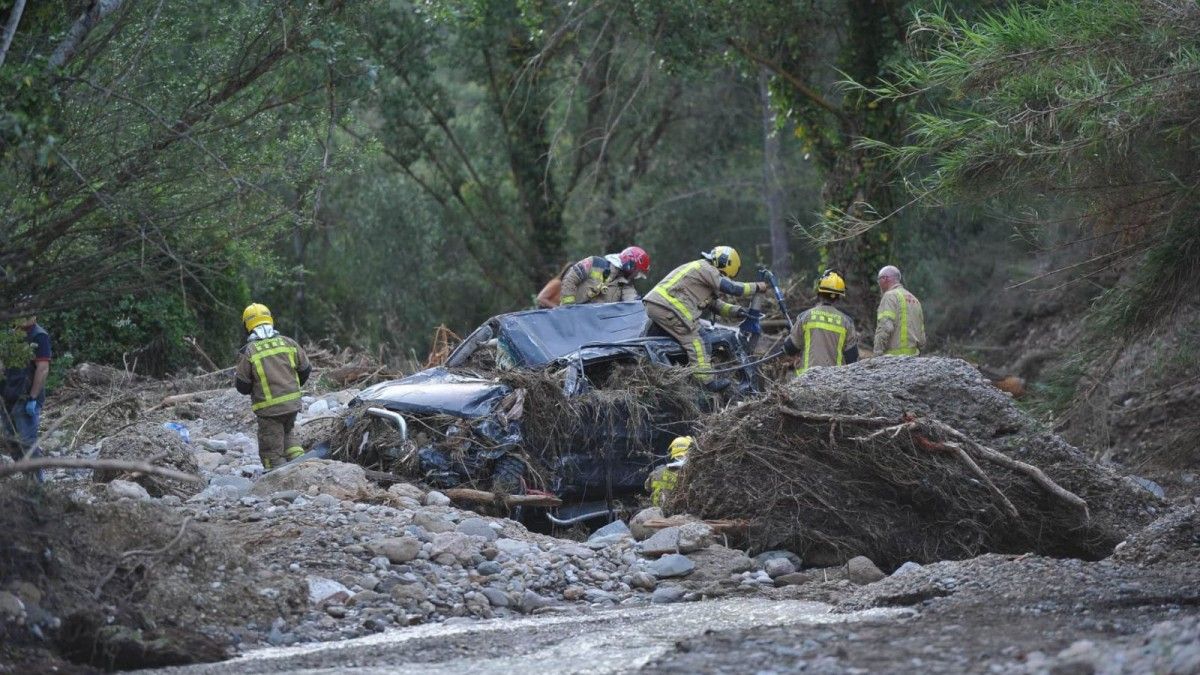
(543, 432)
(904, 460)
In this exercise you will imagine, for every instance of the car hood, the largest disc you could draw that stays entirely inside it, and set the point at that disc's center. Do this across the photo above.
(437, 391)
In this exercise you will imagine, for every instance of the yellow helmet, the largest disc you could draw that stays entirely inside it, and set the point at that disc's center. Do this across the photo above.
(256, 315)
(726, 259)
(832, 283)
(681, 445)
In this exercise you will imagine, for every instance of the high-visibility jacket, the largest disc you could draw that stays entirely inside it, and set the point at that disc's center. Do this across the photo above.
(272, 369)
(692, 288)
(661, 483)
(595, 280)
(899, 324)
(821, 335)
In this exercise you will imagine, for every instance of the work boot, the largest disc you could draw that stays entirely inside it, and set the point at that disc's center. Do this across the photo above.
(717, 385)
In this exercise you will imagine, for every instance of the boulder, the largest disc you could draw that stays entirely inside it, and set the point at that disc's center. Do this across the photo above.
(397, 550)
(531, 602)
(778, 567)
(765, 556)
(338, 479)
(123, 489)
(406, 490)
(662, 542)
(637, 525)
(322, 590)
(435, 498)
(495, 597)
(451, 547)
(862, 571)
(907, 568)
(694, 536)
(477, 527)
(672, 565)
(667, 595)
(616, 527)
(432, 522)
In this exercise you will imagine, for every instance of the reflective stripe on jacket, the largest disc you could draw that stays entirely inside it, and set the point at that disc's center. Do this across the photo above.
(822, 335)
(692, 288)
(899, 324)
(272, 366)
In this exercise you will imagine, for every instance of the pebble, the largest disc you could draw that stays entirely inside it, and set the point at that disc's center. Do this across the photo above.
(673, 565)
(667, 595)
(435, 498)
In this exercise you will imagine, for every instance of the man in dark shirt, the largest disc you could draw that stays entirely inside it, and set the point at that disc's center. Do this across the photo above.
(25, 389)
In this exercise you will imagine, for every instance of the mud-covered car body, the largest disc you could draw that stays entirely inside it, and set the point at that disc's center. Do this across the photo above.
(581, 341)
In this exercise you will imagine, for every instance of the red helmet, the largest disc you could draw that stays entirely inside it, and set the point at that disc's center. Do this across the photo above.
(635, 262)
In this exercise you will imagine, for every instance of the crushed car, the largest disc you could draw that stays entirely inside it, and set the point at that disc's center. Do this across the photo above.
(572, 402)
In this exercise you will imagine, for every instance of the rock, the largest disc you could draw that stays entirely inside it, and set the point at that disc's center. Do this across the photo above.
(793, 579)
(27, 592)
(637, 524)
(574, 593)
(365, 598)
(667, 595)
(488, 568)
(907, 568)
(477, 527)
(435, 498)
(862, 571)
(495, 597)
(777, 567)
(408, 594)
(694, 536)
(207, 461)
(512, 547)
(597, 595)
(285, 495)
(763, 557)
(643, 580)
(341, 480)
(432, 523)
(1148, 485)
(450, 547)
(397, 550)
(716, 564)
(572, 550)
(407, 490)
(322, 590)
(662, 542)
(531, 602)
(123, 489)
(11, 607)
(672, 565)
(336, 611)
(616, 527)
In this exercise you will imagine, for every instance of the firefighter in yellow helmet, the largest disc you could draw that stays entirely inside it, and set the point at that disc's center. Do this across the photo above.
(662, 481)
(824, 335)
(271, 369)
(674, 306)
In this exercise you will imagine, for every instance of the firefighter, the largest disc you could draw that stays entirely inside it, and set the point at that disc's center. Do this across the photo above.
(674, 306)
(824, 335)
(662, 481)
(606, 278)
(899, 322)
(271, 369)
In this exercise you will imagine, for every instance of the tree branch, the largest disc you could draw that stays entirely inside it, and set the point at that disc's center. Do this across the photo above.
(797, 84)
(10, 28)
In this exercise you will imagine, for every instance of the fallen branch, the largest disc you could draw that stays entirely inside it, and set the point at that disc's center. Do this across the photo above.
(957, 450)
(193, 396)
(31, 465)
(469, 496)
(718, 526)
(1015, 465)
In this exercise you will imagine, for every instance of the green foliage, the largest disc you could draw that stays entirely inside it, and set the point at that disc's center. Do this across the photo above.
(140, 333)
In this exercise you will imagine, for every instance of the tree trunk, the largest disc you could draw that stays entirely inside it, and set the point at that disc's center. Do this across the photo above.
(79, 30)
(781, 257)
(10, 28)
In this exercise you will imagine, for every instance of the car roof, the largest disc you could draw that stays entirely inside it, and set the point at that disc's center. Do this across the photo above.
(540, 336)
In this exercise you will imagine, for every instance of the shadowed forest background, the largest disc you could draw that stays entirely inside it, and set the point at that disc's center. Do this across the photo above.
(372, 170)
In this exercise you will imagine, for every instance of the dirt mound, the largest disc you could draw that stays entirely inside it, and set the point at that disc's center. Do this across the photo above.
(1172, 539)
(904, 459)
(125, 584)
(153, 445)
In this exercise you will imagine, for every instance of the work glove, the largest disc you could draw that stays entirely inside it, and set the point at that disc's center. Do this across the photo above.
(32, 407)
(741, 313)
